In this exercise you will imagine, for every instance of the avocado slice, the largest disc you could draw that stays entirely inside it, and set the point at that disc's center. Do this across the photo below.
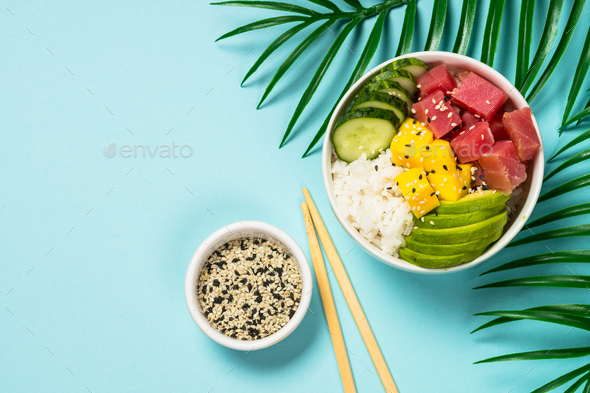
(452, 249)
(463, 234)
(442, 221)
(473, 202)
(438, 261)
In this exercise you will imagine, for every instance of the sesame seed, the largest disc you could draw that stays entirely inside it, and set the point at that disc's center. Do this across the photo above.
(426, 112)
(449, 115)
(478, 116)
(482, 137)
(454, 124)
(418, 86)
(407, 125)
(434, 118)
(429, 119)
(431, 222)
(422, 219)
(433, 101)
(361, 147)
(487, 102)
(413, 111)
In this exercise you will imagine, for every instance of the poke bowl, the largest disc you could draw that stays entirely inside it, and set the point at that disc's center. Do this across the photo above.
(433, 162)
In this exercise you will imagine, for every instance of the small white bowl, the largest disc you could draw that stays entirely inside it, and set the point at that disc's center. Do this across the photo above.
(232, 232)
(532, 186)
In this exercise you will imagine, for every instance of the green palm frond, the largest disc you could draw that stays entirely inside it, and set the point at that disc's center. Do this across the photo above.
(465, 26)
(579, 139)
(579, 77)
(437, 24)
(305, 17)
(492, 31)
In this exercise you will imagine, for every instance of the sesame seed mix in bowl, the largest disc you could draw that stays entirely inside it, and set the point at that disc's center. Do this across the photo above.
(249, 288)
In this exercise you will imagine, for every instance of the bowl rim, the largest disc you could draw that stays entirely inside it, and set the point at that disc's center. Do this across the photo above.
(231, 232)
(537, 163)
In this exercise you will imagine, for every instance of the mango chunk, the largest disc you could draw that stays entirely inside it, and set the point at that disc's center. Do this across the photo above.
(451, 184)
(417, 191)
(439, 157)
(407, 145)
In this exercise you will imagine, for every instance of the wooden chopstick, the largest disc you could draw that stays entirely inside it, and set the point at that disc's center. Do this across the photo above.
(328, 302)
(351, 299)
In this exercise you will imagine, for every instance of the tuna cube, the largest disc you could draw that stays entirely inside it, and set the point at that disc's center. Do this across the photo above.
(468, 119)
(477, 176)
(438, 78)
(463, 75)
(502, 169)
(497, 126)
(479, 96)
(437, 113)
(473, 142)
(519, 127)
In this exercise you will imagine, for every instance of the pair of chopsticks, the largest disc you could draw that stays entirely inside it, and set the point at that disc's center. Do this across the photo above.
(310, 213)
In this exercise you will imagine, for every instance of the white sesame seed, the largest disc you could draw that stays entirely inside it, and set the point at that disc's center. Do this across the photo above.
(433, 118)
(449, 115)
(454, 124)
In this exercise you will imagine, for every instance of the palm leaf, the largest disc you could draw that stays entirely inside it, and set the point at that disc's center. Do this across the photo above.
(271, 5)
(294, 56)
(317, 78)
(465, 26)
(525, 33)
(549, 33)
(580, 157)
(585, 112)
(571, 185)
(576, 230)
(579, 76)
(561, 47)
(543, 316)
(587, 106)
(577, 256)
(538, 355)
(572, 211)
(492, 31)
(361, 66)
(587, 387)
(580, 138)
(580, 310)
(327, 4)
(261, 24)
(554, 281)
(405, 40)
(561, 380)
(576, 385)
(274, 46)
(437, 24)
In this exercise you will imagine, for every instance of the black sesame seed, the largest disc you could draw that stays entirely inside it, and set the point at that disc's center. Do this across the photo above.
(427, 147)
(376, 167)
(407, 157)
(408, 145)
(459, 168)
(432, 194)
(243, 280)
(389, 188)
(429, 122)
(414, 122)
(435, 212)
(420, 177)
(217, 300)
(258, 299)
(445, 168)
(464, 187)
(256, 242)
(433, 171)
(413, 190)
(481, 177)
(216, 283)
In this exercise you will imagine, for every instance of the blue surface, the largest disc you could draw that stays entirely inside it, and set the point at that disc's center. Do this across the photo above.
(109, 240)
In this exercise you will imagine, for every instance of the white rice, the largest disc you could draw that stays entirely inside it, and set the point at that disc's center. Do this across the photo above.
(381, 215)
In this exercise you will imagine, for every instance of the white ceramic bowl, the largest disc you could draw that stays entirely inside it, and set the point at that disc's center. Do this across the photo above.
(532, 186)
(232, 232)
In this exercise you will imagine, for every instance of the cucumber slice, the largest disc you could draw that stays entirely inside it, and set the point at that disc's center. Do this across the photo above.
(403, 77)
(413, 66)
(392, 88)
(366, 130)
(382, 101)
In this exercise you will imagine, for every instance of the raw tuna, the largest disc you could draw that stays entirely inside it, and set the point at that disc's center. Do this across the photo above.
(438, 114)
(479, 96)
(502, 169)
(473, 142)
(438, 78)
(468, 119)
(497, 126)
(463, 75)
(519, 126)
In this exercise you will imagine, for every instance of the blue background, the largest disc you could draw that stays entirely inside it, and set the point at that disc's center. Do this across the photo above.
(103, 307)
